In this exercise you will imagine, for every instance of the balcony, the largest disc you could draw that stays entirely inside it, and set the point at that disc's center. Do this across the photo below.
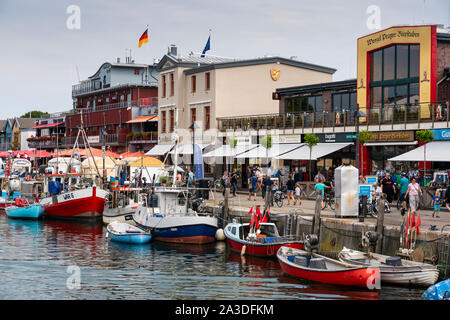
(142, 103)
(143, 138)
(378, 118)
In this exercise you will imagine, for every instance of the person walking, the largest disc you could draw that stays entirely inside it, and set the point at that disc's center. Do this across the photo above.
(320, 188)
(413, 193)
(224, 181)
(267, 183)
(447, 198)
(290, 189)
(404, 182)
(252, 183)
(388, 187)
(297, 194)
(436, 203)
(233, 181)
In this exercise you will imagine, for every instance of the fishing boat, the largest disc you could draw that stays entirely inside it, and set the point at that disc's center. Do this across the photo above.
(125, 233)
(263, 242)
(170, 218)
(23, 210)
(315, 267)
(393, 270)
(124, 202)
(438, 291)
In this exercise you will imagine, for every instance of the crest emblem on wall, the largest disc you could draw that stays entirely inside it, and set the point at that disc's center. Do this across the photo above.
(275, 74)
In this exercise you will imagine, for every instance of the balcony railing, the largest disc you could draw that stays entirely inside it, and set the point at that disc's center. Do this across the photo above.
(399, 114)
(148, 137)
(148, 102)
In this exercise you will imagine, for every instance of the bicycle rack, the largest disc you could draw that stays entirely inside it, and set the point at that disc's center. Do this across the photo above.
(444, 250)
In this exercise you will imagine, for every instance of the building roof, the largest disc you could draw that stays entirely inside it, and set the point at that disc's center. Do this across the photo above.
(2, 125)
(310, 88)
(27, 123)
(115, 64)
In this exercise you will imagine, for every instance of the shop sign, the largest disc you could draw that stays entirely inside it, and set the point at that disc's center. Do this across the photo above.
(334, 137)
(286, 138)
(392, 136)
(441, 134)
(93, 139)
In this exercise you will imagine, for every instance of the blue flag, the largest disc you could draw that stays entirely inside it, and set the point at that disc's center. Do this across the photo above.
(207, 47)
(198, 162)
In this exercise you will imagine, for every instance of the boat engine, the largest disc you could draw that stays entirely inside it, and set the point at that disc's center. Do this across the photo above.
(311, 243)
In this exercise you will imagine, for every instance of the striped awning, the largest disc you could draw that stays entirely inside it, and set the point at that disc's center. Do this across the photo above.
(47, 125)
(143, 119)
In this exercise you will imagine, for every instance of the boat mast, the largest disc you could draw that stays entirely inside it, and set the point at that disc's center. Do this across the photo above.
(175, 162)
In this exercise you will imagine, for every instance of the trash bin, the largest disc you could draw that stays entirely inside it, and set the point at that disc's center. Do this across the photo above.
(203, 185)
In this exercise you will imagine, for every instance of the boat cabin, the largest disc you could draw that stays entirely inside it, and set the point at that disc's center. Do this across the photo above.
(30, 189)
(169, 201)
(241, 230)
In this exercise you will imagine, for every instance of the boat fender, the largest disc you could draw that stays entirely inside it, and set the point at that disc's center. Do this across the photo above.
(220, 235)
(243, 249)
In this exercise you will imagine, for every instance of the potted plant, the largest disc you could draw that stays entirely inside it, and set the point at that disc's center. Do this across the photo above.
(146, 136)
(311, 140)
(137, 136)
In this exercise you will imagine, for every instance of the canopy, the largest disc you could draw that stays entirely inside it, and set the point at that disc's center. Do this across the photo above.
(142, 119)
(436, 151)
(89, 167)
(318, 151)
(146, 162)
(186, 148)
(85, 153)
(53, 161)
(226, 150)
(30, 154)
(160, 149)
(132, 155)
(261, 152)
(47, 125)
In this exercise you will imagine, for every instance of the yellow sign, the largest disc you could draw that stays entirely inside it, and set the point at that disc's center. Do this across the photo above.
(275, 74)
(425, 36)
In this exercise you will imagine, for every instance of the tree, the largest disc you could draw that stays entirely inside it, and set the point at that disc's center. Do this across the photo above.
(266, 142)
(34, 114)
(364, 136)
(311, 140)
(232, 142)
(424, 136)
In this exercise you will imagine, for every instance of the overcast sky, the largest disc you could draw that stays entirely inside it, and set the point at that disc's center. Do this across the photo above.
(40, 55)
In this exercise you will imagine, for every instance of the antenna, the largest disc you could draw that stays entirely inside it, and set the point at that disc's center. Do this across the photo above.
(78, 73)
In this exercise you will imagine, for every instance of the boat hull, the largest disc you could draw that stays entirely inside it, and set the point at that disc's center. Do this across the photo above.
(130, 238)
(32, 212)
(363, 277)
(262, 249)
(87, 204)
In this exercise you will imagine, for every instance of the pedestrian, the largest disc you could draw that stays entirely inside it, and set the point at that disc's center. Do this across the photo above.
(297, 194)
(190, 177)
(259, 175)
(447, 198)
(404, 182)
(376, 196)
(252, 183)
(290, 189)
(224, 181)
(362, 179)
(233, 181)
(413, 193)
(388, 187)
(267, 183)
(320, 188)
(319, 177)
(436, 203)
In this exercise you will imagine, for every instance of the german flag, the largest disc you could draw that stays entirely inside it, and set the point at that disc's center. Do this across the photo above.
(143, 38)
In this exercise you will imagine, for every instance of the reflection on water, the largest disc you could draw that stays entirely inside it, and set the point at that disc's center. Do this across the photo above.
(35, 256)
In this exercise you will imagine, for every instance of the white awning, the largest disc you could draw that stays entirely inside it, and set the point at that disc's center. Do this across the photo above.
(187, 148)
(371, 144)
(437, 151)
(318, 151)
(261, 152)
(226, 151)
(160, 149)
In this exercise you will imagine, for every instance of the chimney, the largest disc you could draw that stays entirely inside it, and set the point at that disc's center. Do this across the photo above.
(173, 50)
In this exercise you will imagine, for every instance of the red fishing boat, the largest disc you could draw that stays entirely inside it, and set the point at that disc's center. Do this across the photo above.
(315, 267)
(87, 203)
(259, 237)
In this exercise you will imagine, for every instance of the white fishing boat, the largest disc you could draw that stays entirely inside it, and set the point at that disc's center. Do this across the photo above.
(393, 270)
(123, 203)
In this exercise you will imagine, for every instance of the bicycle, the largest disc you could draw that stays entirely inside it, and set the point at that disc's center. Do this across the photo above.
(278, 198)
(329, 200)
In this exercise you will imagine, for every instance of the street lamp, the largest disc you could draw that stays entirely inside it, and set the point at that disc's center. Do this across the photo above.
(358, 114)
(193, 126)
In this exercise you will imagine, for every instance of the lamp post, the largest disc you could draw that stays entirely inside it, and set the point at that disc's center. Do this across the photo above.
(358, 114)
(103, 154)
(193, 126)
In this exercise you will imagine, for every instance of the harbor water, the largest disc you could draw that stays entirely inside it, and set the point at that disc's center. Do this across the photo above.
(66, 260)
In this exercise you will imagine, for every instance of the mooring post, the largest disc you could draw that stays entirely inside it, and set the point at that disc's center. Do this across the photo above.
(225, 204)
(318, 208)
(267, 199)
(380, 223)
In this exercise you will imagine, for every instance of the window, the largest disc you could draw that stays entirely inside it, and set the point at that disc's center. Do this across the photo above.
(207, 81)
(345, 101)
(163, 121)
(394, 74)
(163, 86)
(136, 71)
(193, 115)
(207, 118)
(172, 120)
(193, 83)
(172, 85)
(304, 104)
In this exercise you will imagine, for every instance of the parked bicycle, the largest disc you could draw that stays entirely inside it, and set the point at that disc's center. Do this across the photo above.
(278, 198)
(329, 200)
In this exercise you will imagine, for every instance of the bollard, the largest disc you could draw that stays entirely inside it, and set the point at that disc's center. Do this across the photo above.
(267, 199)
(380, 223)
(317, 210)
(225, 204)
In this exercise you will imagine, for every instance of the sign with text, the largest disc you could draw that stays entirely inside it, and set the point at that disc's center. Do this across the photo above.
(392, 136)
(441, 134)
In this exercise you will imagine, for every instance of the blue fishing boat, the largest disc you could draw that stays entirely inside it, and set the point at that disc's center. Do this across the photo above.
(126, 233)
(32, 212)
(438, 291)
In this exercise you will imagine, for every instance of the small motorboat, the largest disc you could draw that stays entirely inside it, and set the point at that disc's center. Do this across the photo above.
(438, 291)
(264, 241)
(23, 210)
(126, 233)
(394, 270)
(315, 267)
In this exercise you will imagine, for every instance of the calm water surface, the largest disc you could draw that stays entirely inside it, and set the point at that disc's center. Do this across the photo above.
(36, 259)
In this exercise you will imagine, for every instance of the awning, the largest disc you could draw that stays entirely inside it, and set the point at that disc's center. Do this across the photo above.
(142, 119)
(47, 125)
(318, 151)
(187, 148)
(436, 151)
(371, 144)
(262, 152)
(226, 151)
(160, 149)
